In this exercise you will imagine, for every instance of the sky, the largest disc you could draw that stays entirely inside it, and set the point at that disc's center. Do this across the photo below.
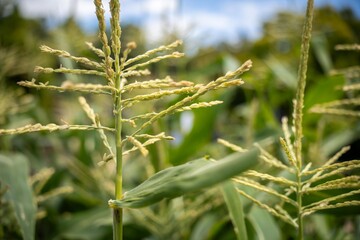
(208, 21)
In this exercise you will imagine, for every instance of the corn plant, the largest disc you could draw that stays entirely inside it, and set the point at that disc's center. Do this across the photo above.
(299, 190)
(120, 77)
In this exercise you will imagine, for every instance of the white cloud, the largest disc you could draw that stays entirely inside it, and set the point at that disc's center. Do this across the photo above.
(40, 8)
(159, 17)
(226, 23)
(143, 8)
(204, 23)
(207, 26)
(56, 11)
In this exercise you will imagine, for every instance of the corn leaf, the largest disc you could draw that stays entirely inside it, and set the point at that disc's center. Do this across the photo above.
(14, 172)
(235, 207)
(204, 226)
(264, 224)
(193, 176)
(91, 224)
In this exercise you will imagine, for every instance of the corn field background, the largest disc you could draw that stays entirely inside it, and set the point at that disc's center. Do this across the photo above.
(60, 172)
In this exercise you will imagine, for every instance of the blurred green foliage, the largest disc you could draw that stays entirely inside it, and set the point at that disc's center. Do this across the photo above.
(249, 114)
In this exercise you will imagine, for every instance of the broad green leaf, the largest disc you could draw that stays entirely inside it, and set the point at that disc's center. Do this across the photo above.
(235, 207)
(193, 176)
(264, 224)
(336, 141)
(322, 227)
(322, 53)
(14, 172)
(203, 227)
(90, 225)
(203, 124)
(282, 72)
(323, 84)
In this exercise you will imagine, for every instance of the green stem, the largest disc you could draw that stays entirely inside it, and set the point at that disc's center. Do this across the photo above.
(298, 114)
(116, 46)
(117, 214)
(117, 224)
